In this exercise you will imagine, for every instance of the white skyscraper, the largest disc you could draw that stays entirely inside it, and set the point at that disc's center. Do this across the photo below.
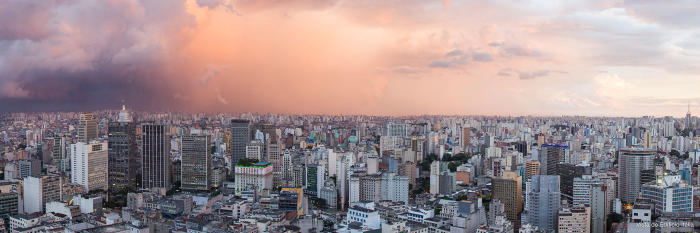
(89, 165)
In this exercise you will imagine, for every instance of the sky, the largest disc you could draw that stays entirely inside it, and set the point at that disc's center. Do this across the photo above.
(410, 57)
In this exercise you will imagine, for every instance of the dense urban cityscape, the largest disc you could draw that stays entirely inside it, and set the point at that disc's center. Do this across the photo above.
(121, 171)
(349, 116)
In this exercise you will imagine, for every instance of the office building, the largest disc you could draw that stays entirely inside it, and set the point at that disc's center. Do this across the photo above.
(543, 200)
(87, 128)
(532, 168)
(253, 177)
(599, 204)
(508, 189)
(196, 162)
(240, 137)
(551, 155)
(124, 162)
(89, 164)
(28, 167)
(574, 220)
(40, 190)
(669, 194)
(631, 163)
(155, 151)
(254, 150)
(315, 178)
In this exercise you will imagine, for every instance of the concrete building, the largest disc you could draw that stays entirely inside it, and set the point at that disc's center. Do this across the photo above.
(196, 162)
(254, 177)
(365, 215)
(87, 128)
(543, 201)
(631, 163)
(508, 189)
(254, 150)
(669, 194)
(532, 168)
(574, 220)
(40, 190)
(89, 164)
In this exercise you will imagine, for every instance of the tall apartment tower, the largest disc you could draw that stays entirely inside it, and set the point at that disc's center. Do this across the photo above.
(87, 128)
(58, 152)
(196, 162)
(466, 138)
(240, 137)
(508, 189)
(631, 163)
(543, 201)
(89, 165)
(124, 162)
(155, 151)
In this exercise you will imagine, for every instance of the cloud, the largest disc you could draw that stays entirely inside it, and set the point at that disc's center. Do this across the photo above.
(525, 75)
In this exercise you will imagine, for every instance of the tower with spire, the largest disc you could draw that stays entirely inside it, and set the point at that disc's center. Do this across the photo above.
(687, 118)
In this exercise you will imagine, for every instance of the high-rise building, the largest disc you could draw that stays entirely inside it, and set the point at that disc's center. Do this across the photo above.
(87, 128)
(58, 152)
(599, 207)
(254, 150)
(543, 201)
(396, 129)
(574, 220)
(315, 178)
(669, 194)
(196, 162)
(240, 137)
(124, 162)
(89, 165)
(631, 163)
(28, 167)
(466, 138)
(550, 156)
(155, 151)
(567, 173)
(532, 168)
(508, 189)
(378, 187)
(40, 190)
(435, 177)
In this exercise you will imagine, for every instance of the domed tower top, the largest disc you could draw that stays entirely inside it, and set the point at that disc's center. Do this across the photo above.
(124, 115)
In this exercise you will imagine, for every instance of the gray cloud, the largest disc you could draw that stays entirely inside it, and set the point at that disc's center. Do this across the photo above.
(525, 75)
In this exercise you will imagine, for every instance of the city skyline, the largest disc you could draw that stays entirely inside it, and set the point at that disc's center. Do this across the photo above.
(541, 58)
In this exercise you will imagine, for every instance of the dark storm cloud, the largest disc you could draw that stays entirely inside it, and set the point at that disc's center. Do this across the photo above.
(56, 55)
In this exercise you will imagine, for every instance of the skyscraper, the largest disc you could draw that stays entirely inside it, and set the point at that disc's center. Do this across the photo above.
(89, 165)
(87, 128)
(531, 168)
(543, 201)
(631, 163)
(240, 137)
(550, 156)
(508, 189)
(196, 162)
(155, 149)
(124, 163)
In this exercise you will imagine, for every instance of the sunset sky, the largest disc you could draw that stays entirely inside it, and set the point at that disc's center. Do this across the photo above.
(568, 57)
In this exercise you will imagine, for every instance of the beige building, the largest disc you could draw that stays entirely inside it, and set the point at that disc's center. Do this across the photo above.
(508, 189)
(575, 220)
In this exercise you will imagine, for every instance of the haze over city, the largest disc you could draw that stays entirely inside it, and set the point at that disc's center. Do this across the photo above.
(596, 58)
